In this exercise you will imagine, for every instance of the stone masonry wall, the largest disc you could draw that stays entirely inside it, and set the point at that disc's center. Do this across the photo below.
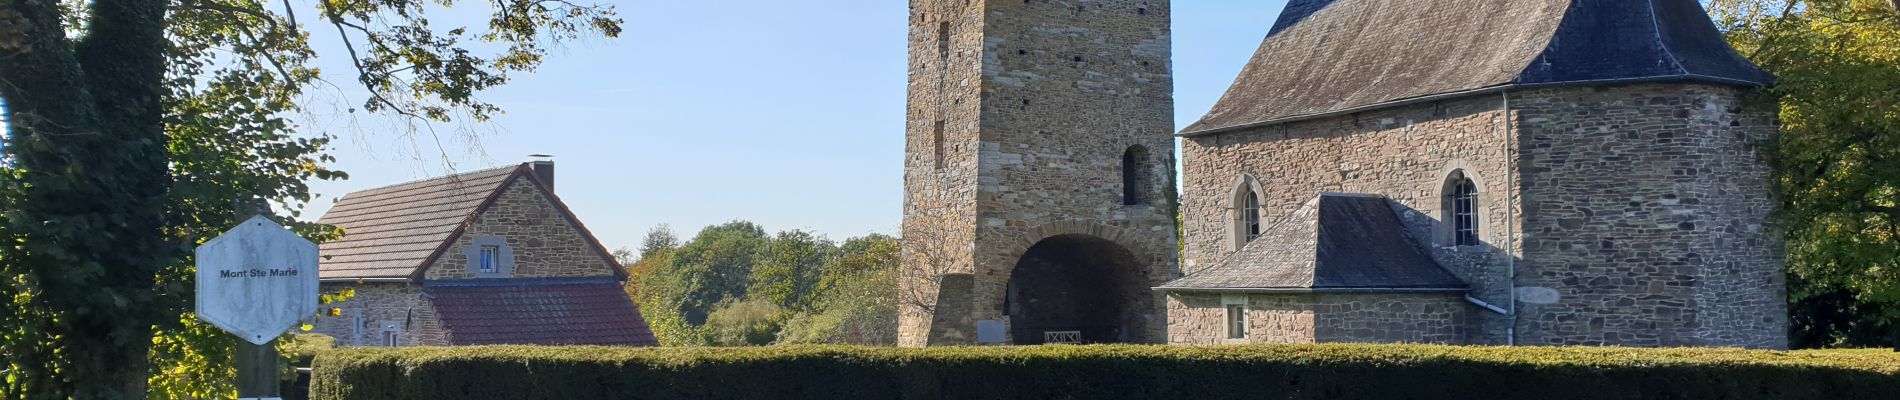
(1647, 211)
(940, 167)
(1200, 318)
(545, 244)
(1404, 153)
(1039, 100)
(376, 303)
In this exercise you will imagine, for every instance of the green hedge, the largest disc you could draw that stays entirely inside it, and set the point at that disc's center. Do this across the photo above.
(1327, 371)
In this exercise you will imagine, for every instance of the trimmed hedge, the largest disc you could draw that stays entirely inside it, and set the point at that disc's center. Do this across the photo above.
(1324, 371)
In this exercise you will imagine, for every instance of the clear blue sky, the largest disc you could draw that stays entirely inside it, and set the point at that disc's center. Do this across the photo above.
(787, 114)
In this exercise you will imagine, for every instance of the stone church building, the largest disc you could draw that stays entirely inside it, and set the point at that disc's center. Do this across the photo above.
(1528, 172)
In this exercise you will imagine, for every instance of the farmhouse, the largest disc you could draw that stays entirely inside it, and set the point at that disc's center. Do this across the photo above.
(484, 257)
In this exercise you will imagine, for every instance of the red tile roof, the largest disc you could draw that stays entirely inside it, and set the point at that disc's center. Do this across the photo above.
(390, 232)
(544, 312)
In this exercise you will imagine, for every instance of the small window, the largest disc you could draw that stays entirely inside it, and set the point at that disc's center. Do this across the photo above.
(1462, 209)
(1236, 321)
(936, 139)
(490, 259)
(1135, 170)
(391, 339)
(1250, 214)
(943, 40)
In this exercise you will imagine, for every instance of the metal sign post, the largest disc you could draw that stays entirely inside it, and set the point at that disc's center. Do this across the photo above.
(257, 281)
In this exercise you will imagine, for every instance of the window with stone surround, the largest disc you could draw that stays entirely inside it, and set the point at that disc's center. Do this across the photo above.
(1235, 316)
(489, 256)
(1460, 210)
(1246, 212)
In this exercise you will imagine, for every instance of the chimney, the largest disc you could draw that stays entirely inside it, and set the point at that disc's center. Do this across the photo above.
(543, 166)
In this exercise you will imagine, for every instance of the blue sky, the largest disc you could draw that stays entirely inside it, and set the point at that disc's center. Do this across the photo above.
(787, 114)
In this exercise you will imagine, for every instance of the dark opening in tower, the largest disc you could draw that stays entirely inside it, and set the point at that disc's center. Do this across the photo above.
(1075, 288)
(1135, 171)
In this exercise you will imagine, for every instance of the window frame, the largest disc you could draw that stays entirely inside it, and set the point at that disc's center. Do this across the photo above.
(1234, 318)
(1246, 213)
(490, 262)
(1461, 219)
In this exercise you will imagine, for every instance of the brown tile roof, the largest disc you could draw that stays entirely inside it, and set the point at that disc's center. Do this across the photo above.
(1336, 242)
(544, 312)
(1327, 57)
(392, 231)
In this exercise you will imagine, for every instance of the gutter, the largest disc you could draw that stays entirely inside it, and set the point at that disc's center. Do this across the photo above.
(1472, 92)
(1311, 290)
(364, 280)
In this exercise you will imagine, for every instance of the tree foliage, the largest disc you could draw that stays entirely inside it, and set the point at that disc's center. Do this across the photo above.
(133, 129)
(1837, 160)
(734, 285)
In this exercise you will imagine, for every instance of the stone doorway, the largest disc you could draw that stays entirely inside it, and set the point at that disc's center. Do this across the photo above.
(1075, 288)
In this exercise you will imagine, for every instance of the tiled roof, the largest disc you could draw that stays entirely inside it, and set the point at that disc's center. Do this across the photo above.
(1336, 242)
(544, 312)
(1325, 57)
(390, 232)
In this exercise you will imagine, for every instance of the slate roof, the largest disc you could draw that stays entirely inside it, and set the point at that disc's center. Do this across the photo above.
(1335, 242)
(544, 312)
(1326, 57)
(391, 231)
(395, 231)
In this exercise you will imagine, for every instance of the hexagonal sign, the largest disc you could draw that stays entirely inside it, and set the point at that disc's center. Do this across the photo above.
(257, 280)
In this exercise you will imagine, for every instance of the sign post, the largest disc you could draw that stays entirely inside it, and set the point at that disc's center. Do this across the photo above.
(257, 281)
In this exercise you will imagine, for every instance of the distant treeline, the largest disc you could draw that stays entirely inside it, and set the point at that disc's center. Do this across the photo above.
(735, 285)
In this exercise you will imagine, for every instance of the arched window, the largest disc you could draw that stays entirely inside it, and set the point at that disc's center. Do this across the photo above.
(1461, 209)
(1246, 212)
(1250, 214)
(1135, 171)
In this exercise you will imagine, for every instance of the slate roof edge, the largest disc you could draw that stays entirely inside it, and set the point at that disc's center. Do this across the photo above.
(1686, 77)
(1317, 290)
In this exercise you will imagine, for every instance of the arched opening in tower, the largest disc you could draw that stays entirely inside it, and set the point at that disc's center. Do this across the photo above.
(1075, 288)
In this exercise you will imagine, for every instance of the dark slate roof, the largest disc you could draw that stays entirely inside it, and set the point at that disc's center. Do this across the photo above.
(391, 231)
(1325, 57)
(1336, 242)
(544, 312)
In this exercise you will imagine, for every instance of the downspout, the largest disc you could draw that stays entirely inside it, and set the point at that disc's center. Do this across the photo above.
(1510, 217)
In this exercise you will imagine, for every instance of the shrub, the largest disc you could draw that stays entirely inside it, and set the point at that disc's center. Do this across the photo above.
(1326, 371)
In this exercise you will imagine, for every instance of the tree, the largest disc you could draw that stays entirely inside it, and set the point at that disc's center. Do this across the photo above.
(856, 300)
(1837, 161)
(133, 126)
(743, 323)
(790, 270)
(714, 266)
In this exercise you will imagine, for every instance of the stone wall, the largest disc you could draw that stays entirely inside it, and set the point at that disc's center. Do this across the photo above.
(402, 304)
(1647, 212)
(544, 243)
(1200, 318)
(1040, 100)
(940, 166)
(1404, 153)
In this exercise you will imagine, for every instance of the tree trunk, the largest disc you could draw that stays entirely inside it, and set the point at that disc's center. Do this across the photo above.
(87, 134)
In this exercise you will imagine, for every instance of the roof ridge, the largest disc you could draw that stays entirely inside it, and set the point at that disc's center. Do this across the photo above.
(438, 177)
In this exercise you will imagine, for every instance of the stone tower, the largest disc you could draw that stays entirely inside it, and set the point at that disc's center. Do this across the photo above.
(1038, 172)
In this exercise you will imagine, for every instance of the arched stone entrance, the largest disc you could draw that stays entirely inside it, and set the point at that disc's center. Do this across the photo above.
(1076, 284)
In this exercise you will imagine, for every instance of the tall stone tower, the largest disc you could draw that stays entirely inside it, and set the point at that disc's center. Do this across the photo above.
(1038, 172)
